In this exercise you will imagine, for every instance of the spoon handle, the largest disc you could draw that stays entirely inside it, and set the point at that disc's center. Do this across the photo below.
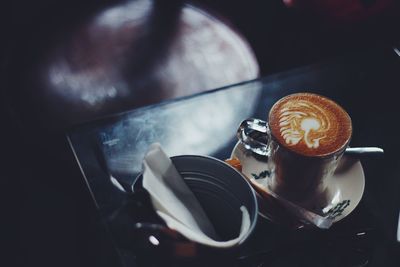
(363, 150)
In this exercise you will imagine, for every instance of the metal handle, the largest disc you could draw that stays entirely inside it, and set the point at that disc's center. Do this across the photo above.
(356, 151)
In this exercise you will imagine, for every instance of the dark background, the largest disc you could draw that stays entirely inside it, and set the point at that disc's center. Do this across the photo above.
(48, 217)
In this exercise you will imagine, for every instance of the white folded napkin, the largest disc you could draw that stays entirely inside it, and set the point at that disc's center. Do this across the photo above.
(176, 204)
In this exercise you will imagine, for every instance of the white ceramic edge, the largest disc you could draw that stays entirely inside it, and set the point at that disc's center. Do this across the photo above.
(355, 198)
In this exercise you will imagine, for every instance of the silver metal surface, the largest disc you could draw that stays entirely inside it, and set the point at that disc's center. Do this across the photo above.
(398, 229)
(363, 150)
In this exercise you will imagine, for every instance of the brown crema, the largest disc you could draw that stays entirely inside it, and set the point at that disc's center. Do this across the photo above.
(310, 125)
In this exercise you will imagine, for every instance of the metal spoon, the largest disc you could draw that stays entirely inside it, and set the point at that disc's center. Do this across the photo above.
(355, 151)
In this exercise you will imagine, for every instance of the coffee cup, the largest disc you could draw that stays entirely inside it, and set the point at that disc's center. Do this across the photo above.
(300, 144)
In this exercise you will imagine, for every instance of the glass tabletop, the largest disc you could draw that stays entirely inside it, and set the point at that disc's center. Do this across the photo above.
(110, 150)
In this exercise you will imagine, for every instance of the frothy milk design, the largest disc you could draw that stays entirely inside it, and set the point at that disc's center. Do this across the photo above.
(303, 121)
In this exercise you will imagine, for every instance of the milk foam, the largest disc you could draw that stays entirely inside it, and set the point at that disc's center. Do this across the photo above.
(301, 121)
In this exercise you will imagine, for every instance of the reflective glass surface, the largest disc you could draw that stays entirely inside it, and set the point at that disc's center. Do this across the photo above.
(110, 152)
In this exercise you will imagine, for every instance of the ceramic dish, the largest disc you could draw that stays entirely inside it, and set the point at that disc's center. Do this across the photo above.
(344, 190)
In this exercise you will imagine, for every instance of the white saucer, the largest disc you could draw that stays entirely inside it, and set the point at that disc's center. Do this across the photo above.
(344, 190)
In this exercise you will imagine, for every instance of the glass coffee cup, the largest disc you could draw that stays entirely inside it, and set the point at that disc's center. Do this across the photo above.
(303, 142)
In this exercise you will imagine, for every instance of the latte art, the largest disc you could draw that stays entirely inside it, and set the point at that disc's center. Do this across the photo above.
(309, 124)
(302, 121)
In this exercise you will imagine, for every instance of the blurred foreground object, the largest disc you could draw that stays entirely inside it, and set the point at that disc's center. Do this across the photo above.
(130, 55)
